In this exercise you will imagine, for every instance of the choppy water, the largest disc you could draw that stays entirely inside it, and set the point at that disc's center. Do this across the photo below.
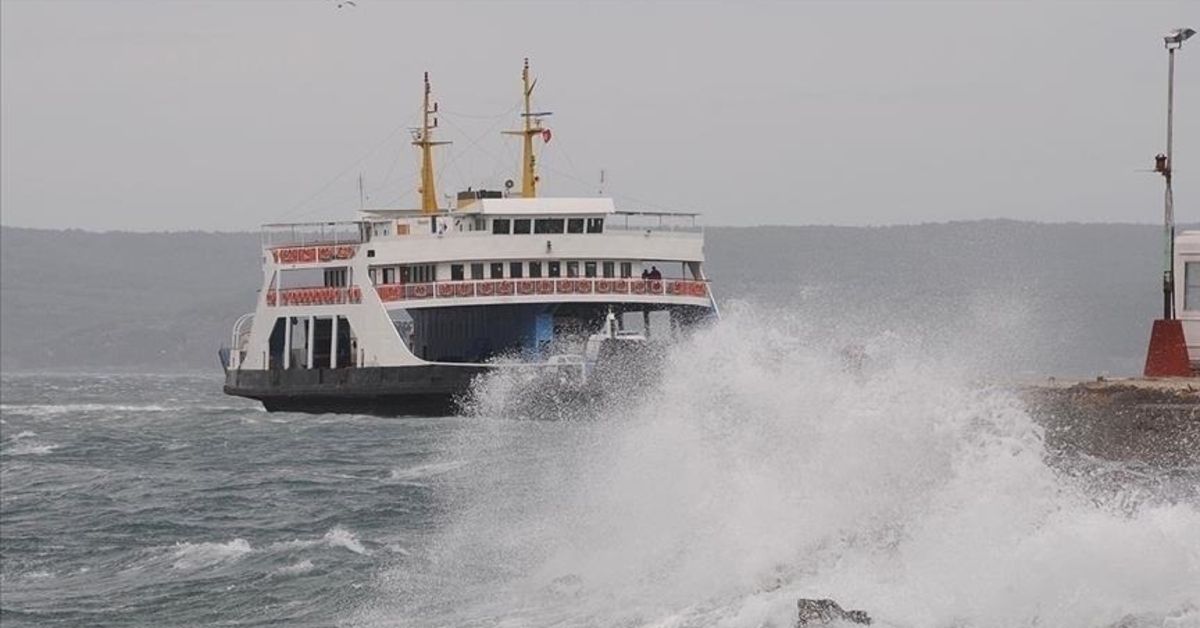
(756, 472)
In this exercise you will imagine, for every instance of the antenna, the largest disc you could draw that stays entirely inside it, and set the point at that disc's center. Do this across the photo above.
(601, 192)
(362, 199)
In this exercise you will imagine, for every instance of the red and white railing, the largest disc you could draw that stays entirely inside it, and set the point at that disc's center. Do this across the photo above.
(313, 254)
(533, 287)
(315, 296)
(491, 288)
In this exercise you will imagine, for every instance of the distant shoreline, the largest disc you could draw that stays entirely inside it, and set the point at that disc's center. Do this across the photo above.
(898, 225)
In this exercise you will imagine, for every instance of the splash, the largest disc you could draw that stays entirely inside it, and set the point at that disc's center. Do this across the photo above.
(345, 539)
(759, 470)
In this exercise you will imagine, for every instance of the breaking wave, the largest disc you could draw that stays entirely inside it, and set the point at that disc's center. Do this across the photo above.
(761, 469)
(201, 555)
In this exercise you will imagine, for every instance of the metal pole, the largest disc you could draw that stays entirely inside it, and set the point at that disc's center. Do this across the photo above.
(1168, 208)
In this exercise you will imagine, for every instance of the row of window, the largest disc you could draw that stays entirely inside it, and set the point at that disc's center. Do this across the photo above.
(536, 270)
(416, 273)
(523, 226)
(427, 273)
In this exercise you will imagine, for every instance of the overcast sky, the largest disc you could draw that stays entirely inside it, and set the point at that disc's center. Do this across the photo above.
(224, 114)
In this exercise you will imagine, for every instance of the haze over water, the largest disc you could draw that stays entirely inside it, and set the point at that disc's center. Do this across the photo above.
(757, 471)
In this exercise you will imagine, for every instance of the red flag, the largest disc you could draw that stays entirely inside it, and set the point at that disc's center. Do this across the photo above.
(546, 136)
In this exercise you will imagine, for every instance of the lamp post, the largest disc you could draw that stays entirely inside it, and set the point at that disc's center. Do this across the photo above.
(1162, 164)
(1168, 352)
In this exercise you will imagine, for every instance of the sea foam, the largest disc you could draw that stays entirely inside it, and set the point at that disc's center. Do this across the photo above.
(760, 470)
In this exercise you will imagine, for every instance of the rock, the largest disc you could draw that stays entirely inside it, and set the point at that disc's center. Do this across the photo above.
(826, 612)
(1154, 421)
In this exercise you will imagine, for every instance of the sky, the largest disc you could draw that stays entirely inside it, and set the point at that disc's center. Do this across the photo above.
(226, 114)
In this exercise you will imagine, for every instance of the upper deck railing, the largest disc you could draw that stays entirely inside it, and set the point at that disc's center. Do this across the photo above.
(653, 221)
(277, 235)
(282, 235)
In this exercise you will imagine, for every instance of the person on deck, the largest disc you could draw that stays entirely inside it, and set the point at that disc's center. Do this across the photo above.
(654, 274)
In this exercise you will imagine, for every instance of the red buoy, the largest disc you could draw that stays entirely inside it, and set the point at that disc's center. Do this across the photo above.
(1168, 356)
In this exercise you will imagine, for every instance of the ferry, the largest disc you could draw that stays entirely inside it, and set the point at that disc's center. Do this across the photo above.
(397, 311)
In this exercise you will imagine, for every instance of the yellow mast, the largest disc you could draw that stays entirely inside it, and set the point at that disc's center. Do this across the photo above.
(422, 138)
(533, 127)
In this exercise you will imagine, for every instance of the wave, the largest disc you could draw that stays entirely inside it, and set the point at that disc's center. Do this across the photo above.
(19, 445)
(51, 409)
(340, 537)
(192, 556)
(301, 567)
(761, 469)
(30, 449)
(200, 555)
(335, 537)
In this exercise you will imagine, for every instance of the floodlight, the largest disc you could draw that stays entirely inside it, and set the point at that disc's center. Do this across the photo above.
(1178, 36)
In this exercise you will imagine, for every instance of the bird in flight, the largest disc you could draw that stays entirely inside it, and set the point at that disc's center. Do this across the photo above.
(345, 3)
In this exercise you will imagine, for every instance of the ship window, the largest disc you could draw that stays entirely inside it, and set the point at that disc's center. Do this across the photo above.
(575, 225)
(335, 277)
(370, 252)
(514, 270)
(389, 275)
(497, 270)
(522, 225)
(589, 269)
(595, 225)
(572, 269)
(555, 269)
(456, 272)
(501, 226)
(420, 273)
(548, 225)
(608, 270)
(535, 269)
(1191, 286)
(476, 272)
(626, 269)
(373, 276)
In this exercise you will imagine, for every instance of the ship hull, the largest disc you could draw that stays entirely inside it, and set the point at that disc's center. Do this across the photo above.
(426, 390)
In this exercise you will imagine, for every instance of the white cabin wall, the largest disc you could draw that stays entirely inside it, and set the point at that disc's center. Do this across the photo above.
(257, 345)
(1187, 249)
(483, 246)
(370, 323)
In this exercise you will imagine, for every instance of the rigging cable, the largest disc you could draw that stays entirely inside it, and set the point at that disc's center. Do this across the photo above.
(341, 174)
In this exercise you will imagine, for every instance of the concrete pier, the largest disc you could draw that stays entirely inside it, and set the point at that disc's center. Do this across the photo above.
(1156, 421)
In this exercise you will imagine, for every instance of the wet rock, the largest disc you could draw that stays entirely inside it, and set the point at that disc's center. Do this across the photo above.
(827, 612)
(1154, 421)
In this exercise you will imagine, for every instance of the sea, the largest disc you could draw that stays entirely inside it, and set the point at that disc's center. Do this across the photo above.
(756, 470)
